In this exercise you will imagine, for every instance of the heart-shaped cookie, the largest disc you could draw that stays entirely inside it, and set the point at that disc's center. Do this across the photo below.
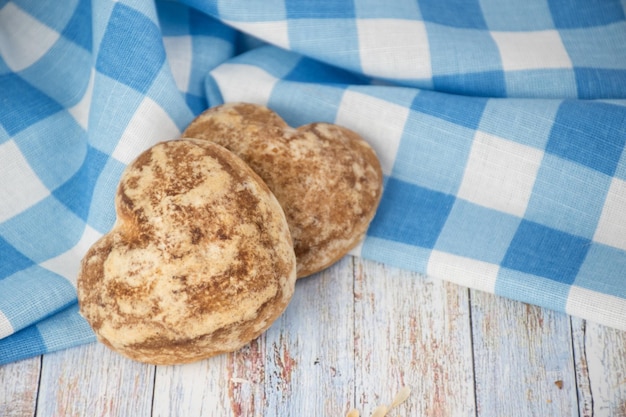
(199, 262)
(327, 179)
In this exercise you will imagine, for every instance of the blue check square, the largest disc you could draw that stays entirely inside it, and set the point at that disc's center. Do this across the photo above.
(477, 232)
(128, 53)
(54, 158)
(57, 230)
(600, 83)
(173, 18)
(583, 13)
(51, 290)
(398, 95)
(411, 214)
(586, 54)
(523, 83)
(23, 344)
(529, 15)
(103, 196)
(432, 153)
(464, 46)
(568, 197)
(23, 104)
(529, 122)
(209, 7)
(601, 270)
(589, 133)
(398, 9)
(312, 9)
(112, 107)
(50, 14)
(277, 62)
(340, 37)
(202, 25)
(324, 112)
(540, 250)
(79, 28)
(455, 13)
(460, 110)
(76, 193)
(532, 289)
(490, 83)
(311, 71)
(12, 259)
(76, 73)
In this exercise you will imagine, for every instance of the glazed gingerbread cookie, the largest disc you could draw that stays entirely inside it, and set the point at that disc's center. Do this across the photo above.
(199, 262)
(327, 179)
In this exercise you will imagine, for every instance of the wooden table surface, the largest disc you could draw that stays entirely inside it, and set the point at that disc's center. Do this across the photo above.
(351, 338)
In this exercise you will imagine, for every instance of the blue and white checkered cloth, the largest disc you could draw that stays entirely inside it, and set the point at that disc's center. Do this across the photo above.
(500, 125)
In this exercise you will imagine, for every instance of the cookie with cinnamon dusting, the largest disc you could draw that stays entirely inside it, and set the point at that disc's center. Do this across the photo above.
(327, 178)
(199, 262)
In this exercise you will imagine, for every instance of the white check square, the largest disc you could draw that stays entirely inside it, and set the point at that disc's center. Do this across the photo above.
(379, 122)
(275, 32)
(149, 125)
(80, 111)
(178, 50)
(67, 264)
(597, 307)
(611, 228)
(394, 48)
(20, 187)
(6, 328)
(500, 174)
(463, 271)
(24, 39)
(242, 82)
(531, 50)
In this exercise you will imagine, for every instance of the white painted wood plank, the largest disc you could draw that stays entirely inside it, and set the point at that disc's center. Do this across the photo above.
(415, 331)
(18, 388)
(224, 385)
(524, 364)
(309, 369)
(303, 365)
(245, 392)
(195, 389)
(583, 384)
(92, 380)
(600, 354)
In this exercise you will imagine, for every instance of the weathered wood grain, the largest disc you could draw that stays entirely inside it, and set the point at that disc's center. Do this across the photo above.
(303, 365)
(600, 355)
(309, 369)
(415, 331)
(196, 389)
(523, 360)
(18, 388)
(92, 380)
(224, 385)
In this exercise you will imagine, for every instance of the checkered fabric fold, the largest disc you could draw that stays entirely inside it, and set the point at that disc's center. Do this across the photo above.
(500, 126)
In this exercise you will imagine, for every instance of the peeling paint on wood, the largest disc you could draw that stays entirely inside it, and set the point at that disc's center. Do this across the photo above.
(91, 380)
(310, 361)
(523, 359)
(413, 331)
(247, 364)
(600, 355)
(18, 388)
